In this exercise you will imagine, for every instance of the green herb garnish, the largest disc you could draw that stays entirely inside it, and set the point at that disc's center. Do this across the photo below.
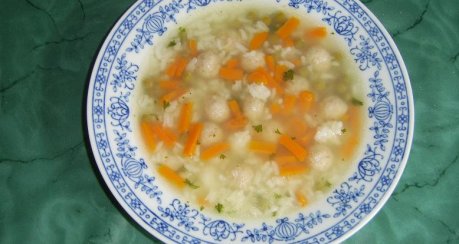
(356, 102)
(258, 128)
(327, 184)
(201, 208)
(219, 207)
(182, 33)
(222, 156)
(274, 214)
(277, 196)
(277, 131)
(191, 184)
(343, 130)
(172, 44)
(288, 75)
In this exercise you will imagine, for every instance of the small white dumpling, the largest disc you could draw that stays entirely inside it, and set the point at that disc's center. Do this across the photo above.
(217, 109)
(333, 107)
(329, 132)
(321, 157)
(211, 133)
(239, 141)
(253, 108)
(208, 65)
(319, 58)
(296, 85)
(252, 60)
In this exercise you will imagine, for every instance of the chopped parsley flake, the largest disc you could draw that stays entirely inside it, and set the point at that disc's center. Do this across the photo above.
(327, 184)
(191, 184)
(274, 214)
(182, 33)
(288, 75)
(293, 138)
(343, 130)
(219, 207)
(172, 44)
(277, 196)
(277, 131)
(201, 208)
(222, 156)
(356, 102)
(258, 128)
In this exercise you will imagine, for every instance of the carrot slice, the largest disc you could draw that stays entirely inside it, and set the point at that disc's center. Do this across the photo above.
(288, 42)
(262, 147)
(193, 45)
(235, 109)
(171, 176)
(232, 63)
(231, 74)
(353, 133)
(301, 199)
(165, 134)
(214, 150)
(169, 84)
(148, 135)
(289, 103)
(186, 113)
(275, 108)
(260, 75)
(258, 40)
(288, 27)
(269, 59)
(181, 66)
(173, 95)
(192, 140)
(306, 99)
(295, 148)
(290, 169)
(317, 32)
(285, 159)
(236, 123)
(297, 126)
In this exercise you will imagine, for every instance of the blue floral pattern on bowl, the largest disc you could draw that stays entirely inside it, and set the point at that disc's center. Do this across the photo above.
(347, 208)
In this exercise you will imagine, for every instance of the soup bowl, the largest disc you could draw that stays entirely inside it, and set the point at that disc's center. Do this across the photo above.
(123, 164)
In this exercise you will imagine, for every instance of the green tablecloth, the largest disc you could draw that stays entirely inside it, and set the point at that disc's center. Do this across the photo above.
(49, 192)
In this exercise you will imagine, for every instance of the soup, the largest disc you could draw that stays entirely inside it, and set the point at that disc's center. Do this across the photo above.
(250, 114)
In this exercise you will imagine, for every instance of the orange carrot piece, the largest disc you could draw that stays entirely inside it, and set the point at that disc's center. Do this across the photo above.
(171, 176)
(297, 126)
(237, 123)
(291, 169)
(269, 59)
(192, 140)
(169, 84)
(258, 40)
(275, 108)
(193, 46)
(317, 32)
(235, 109)
(232, 63)
(285, 159)
(214, 150)
(288, 27)
(165, 134)
(231, 74)
(186, 113)
(306, 99)
(202, 201)
(353, 132)
(289, 103)
(262, 147)
(260, 75)
(301, 199)
(148, 135)
(171, 96)
(176, 68)
(295, 148)
(181, 66)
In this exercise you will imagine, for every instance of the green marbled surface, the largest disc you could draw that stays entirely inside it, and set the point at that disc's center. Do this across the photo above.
(49, 191)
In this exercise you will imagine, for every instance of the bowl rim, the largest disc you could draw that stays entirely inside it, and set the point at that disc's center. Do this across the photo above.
(158, 235)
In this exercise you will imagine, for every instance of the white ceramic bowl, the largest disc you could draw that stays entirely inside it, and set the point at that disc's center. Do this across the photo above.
(344, 211)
